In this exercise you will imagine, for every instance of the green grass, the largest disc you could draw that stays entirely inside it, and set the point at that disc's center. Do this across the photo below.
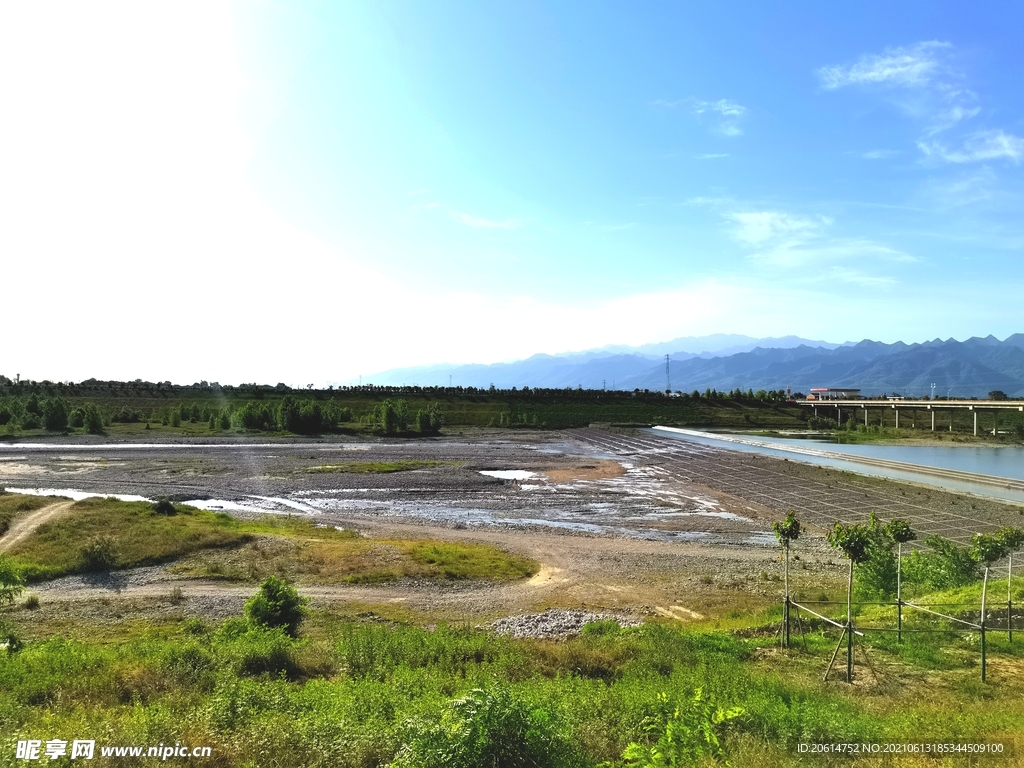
(131, 533)
(378, 467)
(352, 692)
(470, 561)
(307, 554)
(13, 504)
(103, 534)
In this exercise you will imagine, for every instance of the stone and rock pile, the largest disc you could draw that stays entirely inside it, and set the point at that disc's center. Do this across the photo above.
(555, 623)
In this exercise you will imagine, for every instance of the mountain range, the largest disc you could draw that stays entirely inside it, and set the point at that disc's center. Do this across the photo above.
(970, 368)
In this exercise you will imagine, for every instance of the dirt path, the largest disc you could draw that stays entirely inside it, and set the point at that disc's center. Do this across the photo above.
(23, 526)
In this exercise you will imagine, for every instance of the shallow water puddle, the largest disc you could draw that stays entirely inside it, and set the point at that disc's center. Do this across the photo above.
(509, 474)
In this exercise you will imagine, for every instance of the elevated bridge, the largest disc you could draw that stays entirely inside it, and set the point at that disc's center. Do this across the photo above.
(849, 409)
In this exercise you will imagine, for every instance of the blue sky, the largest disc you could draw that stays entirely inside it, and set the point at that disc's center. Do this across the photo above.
(310, 191)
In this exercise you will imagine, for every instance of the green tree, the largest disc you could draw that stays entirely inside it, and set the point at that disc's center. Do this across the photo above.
(393, 416)
(987, 548)
(93, 419)
(277, 604)
(1012, 538)
(429, 421)
(55, 414)
(788, 529)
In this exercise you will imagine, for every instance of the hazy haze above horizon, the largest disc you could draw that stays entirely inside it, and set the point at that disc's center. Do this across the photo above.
(304, 192)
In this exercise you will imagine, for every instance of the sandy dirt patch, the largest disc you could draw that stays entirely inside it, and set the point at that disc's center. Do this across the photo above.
(598, 470)
(23, 526)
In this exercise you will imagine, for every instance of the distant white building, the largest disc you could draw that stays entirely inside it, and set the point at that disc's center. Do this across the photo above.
(830, 393)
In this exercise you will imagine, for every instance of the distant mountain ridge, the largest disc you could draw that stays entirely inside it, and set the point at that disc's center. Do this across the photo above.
(970, 368)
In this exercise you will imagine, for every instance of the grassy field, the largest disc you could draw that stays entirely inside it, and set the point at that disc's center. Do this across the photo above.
(372, 692)
(378, 685)
(103, 534)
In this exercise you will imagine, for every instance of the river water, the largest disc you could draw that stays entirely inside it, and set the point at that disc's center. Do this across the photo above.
(916, 463)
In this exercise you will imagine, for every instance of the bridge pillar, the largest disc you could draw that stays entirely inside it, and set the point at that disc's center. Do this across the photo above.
(975, 422)
(897, 416)
(995, 422)
(933, 418)
(865, 414)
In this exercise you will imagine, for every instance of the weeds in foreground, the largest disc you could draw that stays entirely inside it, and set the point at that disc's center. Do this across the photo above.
(373, 692)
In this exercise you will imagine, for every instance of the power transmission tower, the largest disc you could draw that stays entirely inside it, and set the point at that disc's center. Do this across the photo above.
(668, 379)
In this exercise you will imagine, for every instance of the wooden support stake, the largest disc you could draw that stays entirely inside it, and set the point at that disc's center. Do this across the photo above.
(984, 595)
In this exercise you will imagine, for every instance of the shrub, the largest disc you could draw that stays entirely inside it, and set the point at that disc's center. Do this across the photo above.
(164, 507)
(10, 581)
(684, 734)
(254, 649)
(76, 419)
(254, 415)
(946, 566)
(30, 421)
(277, 604)
(491, 728)
(99, 554)
(821, 422)
(9, 638)
(32, 602)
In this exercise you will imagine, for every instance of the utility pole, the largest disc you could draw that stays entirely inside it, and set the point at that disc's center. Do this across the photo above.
(933, 390)
(668, 379)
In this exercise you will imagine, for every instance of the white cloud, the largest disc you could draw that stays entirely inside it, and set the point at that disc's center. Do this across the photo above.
(982, 146)
(727, 113)
(880, 154)
(951, 117)
(723, 107)
(757, 227)
(711, 156)
(913, 66)
(978, 186)
(476, 221)
(924, 84)
(786, 240)
(858, 277)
